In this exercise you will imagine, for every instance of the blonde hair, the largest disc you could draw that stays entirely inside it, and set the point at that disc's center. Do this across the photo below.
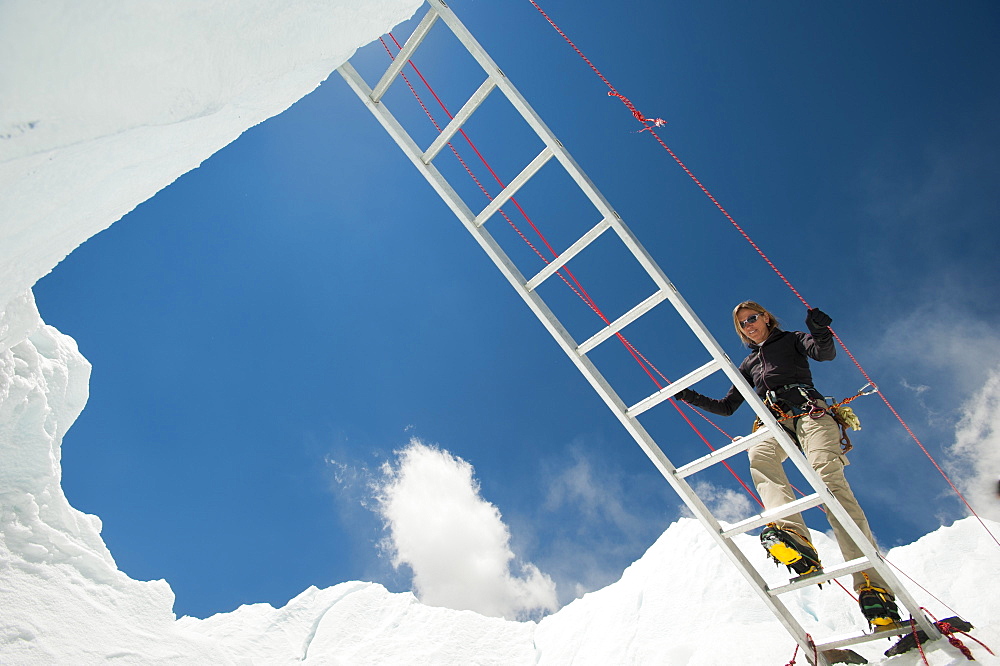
(772, 321)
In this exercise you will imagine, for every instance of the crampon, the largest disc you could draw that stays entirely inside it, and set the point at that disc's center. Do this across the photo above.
(791, 549)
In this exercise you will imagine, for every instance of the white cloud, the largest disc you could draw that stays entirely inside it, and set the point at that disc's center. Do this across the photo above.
(725, 504)
(958, 355)
(453, 540)
(597, 519)
(944, 347)
(597, 499)
(976, 463)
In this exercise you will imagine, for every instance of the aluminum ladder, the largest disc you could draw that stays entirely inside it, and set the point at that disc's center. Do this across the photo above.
(438, 13)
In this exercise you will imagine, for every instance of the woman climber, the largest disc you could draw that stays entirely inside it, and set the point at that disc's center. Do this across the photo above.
(778, 369)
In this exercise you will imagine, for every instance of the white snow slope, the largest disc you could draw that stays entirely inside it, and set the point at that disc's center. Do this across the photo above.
(106, 103)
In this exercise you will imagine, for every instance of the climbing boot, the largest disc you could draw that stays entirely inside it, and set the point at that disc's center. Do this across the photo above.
(878, 606)
(791, 549)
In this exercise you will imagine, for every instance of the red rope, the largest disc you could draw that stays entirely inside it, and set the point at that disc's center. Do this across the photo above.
(614, 92)
(916, 637)
(815, 652)
(950, 631)
(945, 628)
(926, 591)
(576, 287)
(658, 122)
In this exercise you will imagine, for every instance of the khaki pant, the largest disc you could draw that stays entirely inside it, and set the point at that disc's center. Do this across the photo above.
(820, 440)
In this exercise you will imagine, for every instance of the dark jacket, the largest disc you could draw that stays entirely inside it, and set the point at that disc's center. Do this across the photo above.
(782, 359)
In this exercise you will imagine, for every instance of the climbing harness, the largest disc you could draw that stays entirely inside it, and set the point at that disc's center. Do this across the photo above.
(843, 415)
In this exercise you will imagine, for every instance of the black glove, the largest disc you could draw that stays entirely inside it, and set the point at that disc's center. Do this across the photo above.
(817, 320)
(685, 394)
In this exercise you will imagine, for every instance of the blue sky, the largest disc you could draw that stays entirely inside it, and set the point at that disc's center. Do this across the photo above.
(267, 330)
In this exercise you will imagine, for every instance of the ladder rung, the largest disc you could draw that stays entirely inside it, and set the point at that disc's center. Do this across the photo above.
(761, 519)
(404, 54)
(859, 637)
(570, 252)
(459, 120)
(674, 388)
(860, 564)
(622, 322)
(514, 186)
(717, 456)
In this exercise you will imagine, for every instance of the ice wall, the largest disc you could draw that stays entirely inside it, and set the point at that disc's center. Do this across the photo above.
(101, 106)
(104, 104)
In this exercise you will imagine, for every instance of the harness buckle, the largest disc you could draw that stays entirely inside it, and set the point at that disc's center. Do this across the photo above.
(816, 411)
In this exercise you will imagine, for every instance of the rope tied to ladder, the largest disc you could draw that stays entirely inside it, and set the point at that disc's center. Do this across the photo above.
(948, 630)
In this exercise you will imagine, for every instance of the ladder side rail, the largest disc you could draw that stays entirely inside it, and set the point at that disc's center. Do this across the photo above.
(404, 141)
(510, 271)
(568, 345)
(405, 53)
(536, 123)
(542, 130)
(549, 138)
(778, 609)
(459, 120)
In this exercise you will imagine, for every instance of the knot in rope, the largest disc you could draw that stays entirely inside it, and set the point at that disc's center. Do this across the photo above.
(949, 631)
(657, 122)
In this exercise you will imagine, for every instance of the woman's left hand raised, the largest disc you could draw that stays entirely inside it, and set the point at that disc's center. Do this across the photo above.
(816, 319)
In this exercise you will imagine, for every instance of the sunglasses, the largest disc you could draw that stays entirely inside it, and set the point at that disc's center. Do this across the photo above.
(751, 319)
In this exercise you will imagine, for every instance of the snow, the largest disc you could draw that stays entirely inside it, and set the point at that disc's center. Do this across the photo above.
(108, 104)
(103, 107)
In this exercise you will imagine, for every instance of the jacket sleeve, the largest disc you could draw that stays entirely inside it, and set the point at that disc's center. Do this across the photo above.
(728, 405)
(819, 345)
(724, 407)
